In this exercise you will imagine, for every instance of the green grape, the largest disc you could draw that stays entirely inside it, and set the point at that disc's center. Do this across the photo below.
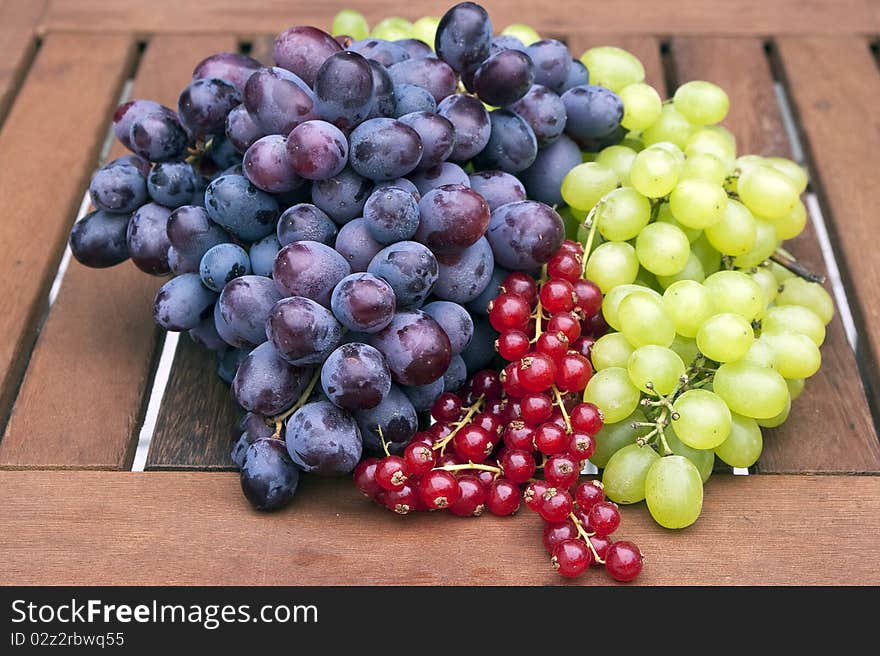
(654, 173)
(686, 348)
(673, 150)
(613, 437)
(693, 270)
(701, 103)
(662, 249)
(671, 127)
(792, 224)
(703, 459)
(688, 304)
(425, 29)
(619, 159)
(735, 233)
(612, 301)
(745, 162)
(795, 387)
(613, 68)
(392, 29)
(760, 353)
(610, 350)
(767, 191)
(585, 184)
(611, 264)
(713, 140)
(780, 272)
(664, 215)
(643, 320)
(697, 203)
(525, 33)
(766, 242)
(708, 256)
(641, 106)
(750, 390)
(704, 419)
(704, 166)
(743, 446)
(647, 279)
(767, 282)
(797, 356)
(622, 214)
(725, 337)
(674, 492)
(658, 365)
(624, 475)
(811, 295)
(611, 390)
(778, 420)
(792, 171)
(633, 141)
(352, 23)
(734, 291)
(793, 319)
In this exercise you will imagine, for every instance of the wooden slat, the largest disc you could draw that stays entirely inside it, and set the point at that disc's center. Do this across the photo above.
(84, 389)
(18, 42)
(837, 114)
(830, 428)
(49, 144)
(755, 530)
(646, 48)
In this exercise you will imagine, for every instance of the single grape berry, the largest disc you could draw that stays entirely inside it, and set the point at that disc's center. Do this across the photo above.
(604, 518)
(571, 558)
(502, 498)
(511, 383)
(418, 458)
(586, 418)
(556, 533)
(391, 473)
(600, 545)
(486, 383)
(571, 247)
(517, 435)
(557, 295)
(584, 346)
(623, 561)
(438, 489)
(521, 284)
(512, 345)
(588, 494)
(488, 422)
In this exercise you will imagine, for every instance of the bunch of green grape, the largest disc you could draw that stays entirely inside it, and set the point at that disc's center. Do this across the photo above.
(711, 338)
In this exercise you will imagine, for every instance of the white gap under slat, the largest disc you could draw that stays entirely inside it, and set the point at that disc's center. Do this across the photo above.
(65, 259)
(160, 382)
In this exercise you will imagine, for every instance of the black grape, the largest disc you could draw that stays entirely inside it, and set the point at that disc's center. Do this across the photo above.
(243, 308)
(265, 164)
(512, 144)
(302, 50)
(191, 232)
(223, 263)
(323, 439)
(445, 173)
(158, 136)
(455, 321)
(504, 78)
(233, 202)
(543, 179)
(205, 334)
(183, 302)
(385, 101)
(415, 347)
(481, 350)
(453, 217)
(268, 475)
(266, 384)
(544, 111)
(552, 63)
(471, 121)
(455, 375)
(355, 377)
(463, 36)
(355, 243)
(253, 428)
(464, 276)
(384, 148)
(436, 133)
(480, 304)
(231, 67)
(391, 214)
(204, 105)
(241, 129)
(363, 302)
(118, 187)
(262, 255)
(278, 100)
(343, 196)
(229, 360)
(147, 239)
(411, 270)
(98, 239)
(173, 184)
(385, 52)
(401, 183)
(415, 48)
(497, 187)
(310, 269)
(305, 222)
(317, 150)
(525, 235)
(577, 76)
(302, 331)
(593, 112)
(395, 415)
(423, 397)
(430, 73)
(409, 98)
(344, 89)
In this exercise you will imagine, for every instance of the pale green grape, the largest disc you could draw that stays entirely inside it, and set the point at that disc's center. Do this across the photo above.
(664, 215)
(797, 356)
(613, 68)
(525, 33)
(811, 295)
(633, 141)
(613, 437)
(778, 420)
(686, 348)
(611, 264)
(766, 242)
(693, 270)
(612, 301)
(743, 446)
(795, 387)
(751, 390)
(793, 171)
(392, 29)
(671, 127)
(725, 337)
(767, 191)
(745, 162)
(585, 184)
(697, 203)
(611, 350)
(793, 223)
(352, 23)
(674, 492)
(425, 29)
(735, 233)
(662, 249)
(703, 459)
(673, 150)
(767, 282)
(622, 214)
(714, 140)
(760, 353)
(709, 257)
(658, 365)
(641, 106)
(793, 319)
(619, 159)
(643, 320)
(734, 291)
(704, 166)
(624, 475)
(688, 304)
(611, 390)
(780, 272)
(654, 173)
(701, 103)
(704, 419)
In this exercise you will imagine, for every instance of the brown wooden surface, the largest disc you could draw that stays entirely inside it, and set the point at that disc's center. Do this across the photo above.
(834, 86)
(18, 42)
(646, 48)
(830, 428)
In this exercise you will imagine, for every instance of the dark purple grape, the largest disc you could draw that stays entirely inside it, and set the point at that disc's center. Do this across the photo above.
(305, 222)
(423, 397)
(268, 476)
(191, 232)
(512, 145)
(480, 304)
(430, 73)
(205, 334)
(595, 144)
(302, 331)
(453, 217)
(278, 100)
(232, 67)
(472, 126)
(127, 113)
(158, 136)
(463, 36)
(544, 111)
(415, 48)
(147, 239)
(504, 78)
(343, 196)
(223, 263)
(455, 375)
(363, 302)
(391, 214)
(455, 321)
(230, 360)
(137, 161)
(172, 184)
(243, 308)
(266, 165)
(480, 352)
(355, 243)
(401, 183)
(395, 415)
(543, 179)
(344, 90)
(233, 202)
(266, 384)
(183, 302)
(317, 150)
(445, 173)
(384, 149)
(593, 112)
(436, 133)
(241, 129)
(253, 428)
(505, 42)
(415, 347)
(525, 235)
(409, 98)
(205, 103)
(411, 270)
(323, 439)
(302, 50)
(497, 187)
(577, 75)
(385, 52)
(552, 63)
(310, 269)
(383, 92)
(262, 255)
(355, 377)
(98, 239)
(464, 276)
(222, 153)
(120, 188)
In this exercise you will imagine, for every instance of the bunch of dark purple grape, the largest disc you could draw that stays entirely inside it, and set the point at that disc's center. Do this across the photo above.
(336, 224)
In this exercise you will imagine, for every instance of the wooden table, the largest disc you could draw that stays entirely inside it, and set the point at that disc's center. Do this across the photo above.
(76, 374)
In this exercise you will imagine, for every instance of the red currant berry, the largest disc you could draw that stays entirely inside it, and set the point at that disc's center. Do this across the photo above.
(485, 477)
(550, 439)
(554, 345)
(402, 501)
(509, 312)
(623, 561)
(581, 446)
(565, 265)
(557, 295)
(561, 471)
(521, 284)
(447, 407)
(555, 505)
(571, 558)
(556, 533)
(584, 518)
(447, 458)
(586, 418)
(519, 436)
(604, 518)
(588, 297)
(512, 345)
(423, 437)
(473, 443)
(573, 372)
(391, 473)
(502, 498)
(487, 384)
(536, 372)
(511, 382)
(419, 458)
(365, 477)
(488, 422)
(496, 407)
(558, 419)
(600, 545)
(438, 489)
(517, 465)
(513, 411)
(534, 494)
(588, 494)
(536, 408)
(567, 323)
(598, 326)
(380, 497)
(571, 246)
(471, 497)
(583, 345)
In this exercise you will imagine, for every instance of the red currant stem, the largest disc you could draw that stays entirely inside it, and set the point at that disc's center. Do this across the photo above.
(561, 406)
(277, 420)
(588, 245)
(539, 314)
(461, 423)
(585, 536)
(382, 437)
(788, 262)
(471, 465)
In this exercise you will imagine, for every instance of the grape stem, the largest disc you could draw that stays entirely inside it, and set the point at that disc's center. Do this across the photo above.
(278, 420)
(585, 536)
(796, 268)
(591, 236)
(539, 312)
(472, 410)
(382, 438)
(561, 406)
(471, 465)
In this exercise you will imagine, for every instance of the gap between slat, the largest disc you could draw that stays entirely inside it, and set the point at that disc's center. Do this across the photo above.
(157, 393)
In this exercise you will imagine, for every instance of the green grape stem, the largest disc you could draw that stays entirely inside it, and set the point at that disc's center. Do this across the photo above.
(471, 411)
(561, 406)
(585, 536)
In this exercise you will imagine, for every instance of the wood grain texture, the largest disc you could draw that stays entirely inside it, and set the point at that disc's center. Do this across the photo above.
(18, 42)
(188, 528)
(48, 146)
(834, 86)
(646, 48)
(84, 389)
(830, 428)
(657, 17)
